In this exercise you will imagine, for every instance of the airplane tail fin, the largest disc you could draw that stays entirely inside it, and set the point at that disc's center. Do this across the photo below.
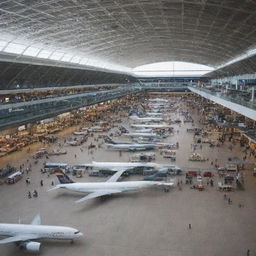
(36, 220)
(62, 177)
(107, 139)
(123, 129)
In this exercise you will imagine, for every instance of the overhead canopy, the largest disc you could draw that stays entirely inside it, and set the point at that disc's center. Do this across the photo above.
(124, 34)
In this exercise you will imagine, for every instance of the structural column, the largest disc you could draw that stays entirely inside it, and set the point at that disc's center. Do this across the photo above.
(236, 84)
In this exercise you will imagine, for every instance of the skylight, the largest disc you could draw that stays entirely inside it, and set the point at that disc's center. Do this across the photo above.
(44, 54)
(10, 45)
(243, 56)
(2, 44)
(14, 48)
(56, 55)
(31, 51)
(174, 68)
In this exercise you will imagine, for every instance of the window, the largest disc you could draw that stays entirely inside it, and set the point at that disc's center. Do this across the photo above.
(174, 68)
(15, 48)
(44, 54)
(56, 55)
(31, 51)
(2, 44)
(75, 59)
(67, 57)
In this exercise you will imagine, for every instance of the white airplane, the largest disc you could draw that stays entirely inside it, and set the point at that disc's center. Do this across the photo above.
(146, 119)
(122, 166)
(80, 133)
(154, 114)
(131, 146)
(111, 186)
(157, 105)
(158, 100)
(128, 146)
(141, 134)
(153, 126)
(144, 130)
(25, 234)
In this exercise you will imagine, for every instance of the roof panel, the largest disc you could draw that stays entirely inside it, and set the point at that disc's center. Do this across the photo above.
(106, 29)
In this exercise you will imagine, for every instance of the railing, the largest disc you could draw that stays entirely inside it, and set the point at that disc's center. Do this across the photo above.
(20, 113)
(240, 101)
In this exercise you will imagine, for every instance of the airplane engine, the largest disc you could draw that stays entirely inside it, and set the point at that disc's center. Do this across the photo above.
(31, 246)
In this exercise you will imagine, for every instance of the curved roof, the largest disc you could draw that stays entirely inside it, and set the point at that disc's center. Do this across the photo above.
(130, 33)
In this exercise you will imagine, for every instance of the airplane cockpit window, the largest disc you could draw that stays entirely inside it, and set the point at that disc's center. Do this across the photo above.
(77, 232)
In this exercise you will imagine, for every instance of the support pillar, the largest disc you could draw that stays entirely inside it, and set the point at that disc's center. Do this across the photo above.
(253, 91)
(236, 84)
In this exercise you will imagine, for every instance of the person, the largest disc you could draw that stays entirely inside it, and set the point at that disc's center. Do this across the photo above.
(35, 193)
(189, 226)
(41, 183)
(52, 183)
(248, 252)
(29, 194)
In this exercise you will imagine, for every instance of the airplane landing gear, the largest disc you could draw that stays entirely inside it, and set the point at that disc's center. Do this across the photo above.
(166, 189)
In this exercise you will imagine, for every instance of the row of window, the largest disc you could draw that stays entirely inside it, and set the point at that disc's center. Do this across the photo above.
(32, 51)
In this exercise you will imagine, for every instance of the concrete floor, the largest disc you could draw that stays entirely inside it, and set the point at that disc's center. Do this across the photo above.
(149, 222)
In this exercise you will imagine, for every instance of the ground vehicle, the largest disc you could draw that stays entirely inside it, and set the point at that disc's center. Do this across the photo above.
(224, 187)
(56, 165)
(40, 153)
(142, 157)
(160, 175)
(191, 173)
(15, 177)
(208, 174)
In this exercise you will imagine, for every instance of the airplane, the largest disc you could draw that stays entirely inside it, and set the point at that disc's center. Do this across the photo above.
(126, 166)
(154, 114)
(141, 134)
(25, 234)
(153, 126)
(119, 166)
(144, 130)
(111, 186)
(80, 133)
(125, 130)
(128, 146)
(145, 119)
(158, 100)
(131, 146)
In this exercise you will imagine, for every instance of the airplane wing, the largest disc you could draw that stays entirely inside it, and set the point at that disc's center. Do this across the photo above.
(36, 220)
(18, 238)
(116, 176)
(98, 194)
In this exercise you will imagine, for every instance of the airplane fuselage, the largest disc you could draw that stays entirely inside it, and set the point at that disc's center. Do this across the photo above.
(40, 231)
(146, 119)
(126, 165)
(141, 134)
(117, 186)
(131, 146)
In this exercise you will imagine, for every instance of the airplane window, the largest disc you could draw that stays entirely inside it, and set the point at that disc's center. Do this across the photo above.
(77, 232)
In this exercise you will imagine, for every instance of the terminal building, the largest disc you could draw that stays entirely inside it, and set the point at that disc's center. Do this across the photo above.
(76, 67)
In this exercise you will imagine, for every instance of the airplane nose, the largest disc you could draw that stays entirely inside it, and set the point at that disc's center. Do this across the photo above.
(80, 234)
